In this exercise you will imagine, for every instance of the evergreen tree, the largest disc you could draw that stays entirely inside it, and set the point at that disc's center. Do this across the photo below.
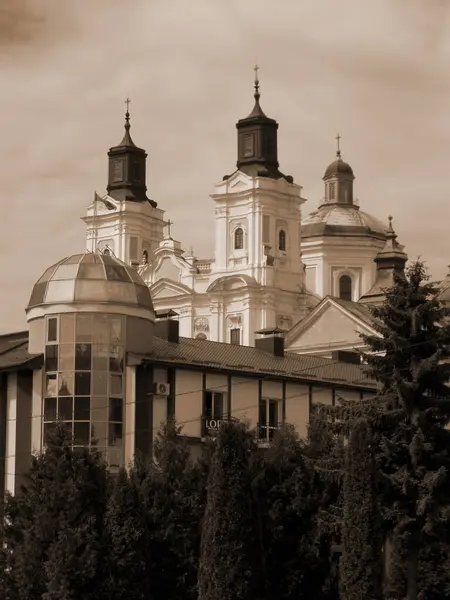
(360, 565)
(172, 494)
(228, 568)
(126, 574)
(287, 505)
(54, 525)
(410, 359)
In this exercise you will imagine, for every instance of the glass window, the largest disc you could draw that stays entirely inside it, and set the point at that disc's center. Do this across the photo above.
(99, 433)
(38, 294)
(116, 330)
(282, 240)
(134, 276)
(82, 409)
(65, 409)
(115, 434)
(81, 434)
(83, 328)
(345, 287)
(101, 357)
(143, 297)
(66, 357)
(235, 336)
(60, 291)
(116, 273)
(48, 427)
(75, 259)
(67, 329)
(48, 273)
(83, 354)
(82, 384)
(239, 239)
(50, 409)
(66, 271)
(101, 329)
(248, 145)
(133, 247)
(115, 358)
(99, 409)
(116, 410)
(51, 386)
(66, 387)
(214, 405)
(115, 385)
(52, 329)
(51, 358)
(99, 383)
(87, 271)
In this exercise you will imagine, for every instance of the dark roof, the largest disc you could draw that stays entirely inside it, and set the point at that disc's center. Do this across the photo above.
(338, 167)
(250, 360)
(219, 356)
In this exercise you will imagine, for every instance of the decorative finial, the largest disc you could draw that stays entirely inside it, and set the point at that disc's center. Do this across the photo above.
(338, 146)
(257, 94)
(127, 114)
(390, 228)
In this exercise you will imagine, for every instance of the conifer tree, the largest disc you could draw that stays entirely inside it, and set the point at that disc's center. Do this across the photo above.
(360, 564)
(54, 525)
(228, 568)
(410, 359)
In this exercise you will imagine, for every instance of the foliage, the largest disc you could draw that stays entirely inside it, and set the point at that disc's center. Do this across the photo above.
(53, 527)
(360, 565)
(228, 568)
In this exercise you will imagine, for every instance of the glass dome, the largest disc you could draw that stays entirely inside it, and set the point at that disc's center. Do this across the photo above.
(91, 278)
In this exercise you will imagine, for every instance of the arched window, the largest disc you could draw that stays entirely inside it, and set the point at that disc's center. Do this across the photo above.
(239, 239)
(282, 240)
(345, 287)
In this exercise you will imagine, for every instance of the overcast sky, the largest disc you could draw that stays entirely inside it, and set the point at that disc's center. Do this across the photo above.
(377, 73)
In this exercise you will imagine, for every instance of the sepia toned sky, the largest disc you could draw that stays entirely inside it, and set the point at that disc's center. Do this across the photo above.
(377, 73)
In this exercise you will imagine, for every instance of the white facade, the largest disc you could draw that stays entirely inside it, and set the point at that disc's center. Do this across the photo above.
(256, 279)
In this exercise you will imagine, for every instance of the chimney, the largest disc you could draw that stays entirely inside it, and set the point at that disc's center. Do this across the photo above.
(167, 327)
(270, 341)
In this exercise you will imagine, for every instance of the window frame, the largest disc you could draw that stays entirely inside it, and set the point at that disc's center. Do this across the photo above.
(238, 242)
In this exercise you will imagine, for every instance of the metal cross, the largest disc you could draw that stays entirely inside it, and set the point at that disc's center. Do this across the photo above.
(169, 224)
(338, 139)
(256, 69)
(127, 102)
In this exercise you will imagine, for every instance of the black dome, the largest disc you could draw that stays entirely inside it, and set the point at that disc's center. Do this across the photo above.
(338, 167)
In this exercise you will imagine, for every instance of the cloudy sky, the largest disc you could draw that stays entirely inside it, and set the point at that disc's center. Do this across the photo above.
(378, 73)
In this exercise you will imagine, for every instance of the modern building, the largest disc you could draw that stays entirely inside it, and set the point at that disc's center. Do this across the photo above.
(97, 357)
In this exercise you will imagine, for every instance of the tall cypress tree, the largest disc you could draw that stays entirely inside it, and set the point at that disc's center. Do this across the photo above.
(54, 525)
(360, 564)
(410, 359)
(228, 568)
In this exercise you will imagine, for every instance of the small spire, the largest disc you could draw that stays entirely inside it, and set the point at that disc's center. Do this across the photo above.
(127, 114)
(127, 141)
(257, 94)
(338, 146)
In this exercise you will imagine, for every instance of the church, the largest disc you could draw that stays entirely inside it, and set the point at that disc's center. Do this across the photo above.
(271, 266)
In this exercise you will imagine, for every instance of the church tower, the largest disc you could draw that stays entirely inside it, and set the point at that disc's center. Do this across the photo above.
(257, 233)
(125, 221)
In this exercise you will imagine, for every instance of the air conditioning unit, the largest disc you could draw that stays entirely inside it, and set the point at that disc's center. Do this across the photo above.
(161, 389)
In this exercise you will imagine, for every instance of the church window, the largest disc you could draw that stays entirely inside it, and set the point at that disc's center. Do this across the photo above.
(282, 240)
(345, 287)
(235, 336)
(239, 239)
(332, 191)
(248, 145)
(134, 242)
(117, 173)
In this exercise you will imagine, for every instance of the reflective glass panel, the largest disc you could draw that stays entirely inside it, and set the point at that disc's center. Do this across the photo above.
(83, 328)
(66, 271)
(115, 358)
(51, 357)
(66, 328)
(101, 329)
(50, 409)
(48, 273)
(66, 387)
(91, 290)
(52, 329)
(82, 384)
(81, 434)
(120, 292)
(51, 386)
(83, 353)
(87, 271)
(116, 273)
(115, 434)
(60, 291)
(115, 383)
(101, 357)
(116, 330)
(135, 277)
(99, 432)
(99, 409)
(65, 409)
(116, 410)
(109, 260)
(143, 296)
(48, 428)
(67, 357)
(82, 409)
(75, 259)
(100, 383)
(38, 294)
